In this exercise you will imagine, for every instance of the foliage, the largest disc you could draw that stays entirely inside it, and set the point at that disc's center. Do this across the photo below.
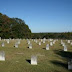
(13, 27)
(66, 35)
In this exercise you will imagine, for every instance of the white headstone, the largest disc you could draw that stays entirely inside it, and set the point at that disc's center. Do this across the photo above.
(2, 56)
(9, 38)
(33, 60)
(51, 44)
(28, 42)
(8, 41)
(54, 41)
(71, 43)
(51, 39)
(0, 38)
(36, 41)
(63, 44)
(65, 48)
(30, 46)
(18, 41)
(16, 45)
(70, 65)
(3, 44)
(47, 47)
(43, 41)
(68, 41)
(39, 43)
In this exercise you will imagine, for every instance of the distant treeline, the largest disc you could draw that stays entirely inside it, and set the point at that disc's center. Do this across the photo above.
(16, 28)
(66, 35)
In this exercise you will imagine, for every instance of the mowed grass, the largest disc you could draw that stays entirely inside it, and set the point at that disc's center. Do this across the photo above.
(17, 59)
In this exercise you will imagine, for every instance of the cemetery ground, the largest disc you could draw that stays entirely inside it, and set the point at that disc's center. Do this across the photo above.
(18, 59)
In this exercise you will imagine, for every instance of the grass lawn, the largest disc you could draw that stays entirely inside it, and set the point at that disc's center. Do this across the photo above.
(17, 59)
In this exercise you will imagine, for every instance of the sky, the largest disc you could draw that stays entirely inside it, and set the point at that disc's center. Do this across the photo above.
(41, 15)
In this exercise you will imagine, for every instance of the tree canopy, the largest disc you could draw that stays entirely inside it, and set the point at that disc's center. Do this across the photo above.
(13, 27)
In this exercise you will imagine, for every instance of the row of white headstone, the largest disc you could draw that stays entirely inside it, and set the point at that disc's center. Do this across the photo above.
(65, 49)
(63, 44)
(69, 42)
(33, 60)
(16, 44)
(42, 40)
(47, 46)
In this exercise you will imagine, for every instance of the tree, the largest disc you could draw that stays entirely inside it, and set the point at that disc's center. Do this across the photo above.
(13, 27)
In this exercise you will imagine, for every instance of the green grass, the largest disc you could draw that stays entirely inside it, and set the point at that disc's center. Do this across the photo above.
(54, 60)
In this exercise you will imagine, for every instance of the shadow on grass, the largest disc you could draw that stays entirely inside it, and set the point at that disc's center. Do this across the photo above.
(29, 61)
(44, 48)
(67, 55)
(27, 47)
(59, 63)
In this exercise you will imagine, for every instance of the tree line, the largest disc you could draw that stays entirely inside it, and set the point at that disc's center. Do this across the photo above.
(16, 28)
(63, 35)
(13, 27)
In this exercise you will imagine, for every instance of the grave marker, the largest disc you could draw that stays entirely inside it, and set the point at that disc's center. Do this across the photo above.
(28, 42)
(3, 44)
(8, 41)
(2, 56)
(18, 42)
(33, 60)
(47, 47)
(30, 46)
(43, 41)
(65, 48)
(39, 43)
(68, 41)
(16, 45)
(0, 38)
(71, 43)
(51, 44)
(70, 65)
